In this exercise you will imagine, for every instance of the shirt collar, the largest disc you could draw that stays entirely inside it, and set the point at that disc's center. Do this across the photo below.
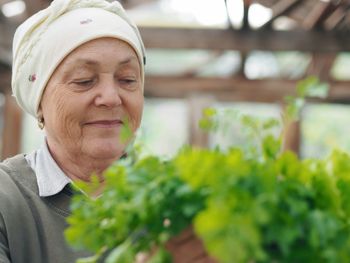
(50, 178)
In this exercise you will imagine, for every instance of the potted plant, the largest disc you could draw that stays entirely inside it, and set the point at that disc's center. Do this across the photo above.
(258, 204)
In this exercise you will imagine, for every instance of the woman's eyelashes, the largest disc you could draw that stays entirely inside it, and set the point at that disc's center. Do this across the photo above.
(84, 83)
(127, 81)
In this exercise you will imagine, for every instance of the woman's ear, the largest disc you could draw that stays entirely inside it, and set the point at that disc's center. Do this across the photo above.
(40, 111)
(40, 118)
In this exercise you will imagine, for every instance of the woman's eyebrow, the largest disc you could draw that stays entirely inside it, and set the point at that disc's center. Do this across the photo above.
(128, 60)
(78, 66)
(84, 62)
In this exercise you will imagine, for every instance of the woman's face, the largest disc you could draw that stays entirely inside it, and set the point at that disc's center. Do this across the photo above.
(94, 92)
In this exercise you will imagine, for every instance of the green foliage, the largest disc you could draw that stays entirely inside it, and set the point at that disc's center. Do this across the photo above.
(206, 123)
(309, 87)
(312, 87)
(142, 205)
(126, 132)
(247, 206)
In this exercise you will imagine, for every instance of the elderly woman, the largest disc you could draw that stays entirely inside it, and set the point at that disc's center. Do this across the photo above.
(78, 68)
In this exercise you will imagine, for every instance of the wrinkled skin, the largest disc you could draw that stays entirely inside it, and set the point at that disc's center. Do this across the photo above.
(94, 91)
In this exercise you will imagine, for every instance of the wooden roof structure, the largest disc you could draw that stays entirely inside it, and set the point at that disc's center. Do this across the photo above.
(319, 27)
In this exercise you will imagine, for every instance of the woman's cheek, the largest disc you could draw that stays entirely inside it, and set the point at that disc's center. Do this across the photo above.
(70, 126)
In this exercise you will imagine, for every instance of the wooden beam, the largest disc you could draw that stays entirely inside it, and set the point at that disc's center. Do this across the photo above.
(235, 89)
(245, 40)
(335, 18)
(5, 81)
(241, 72)
(292, 137)
(316, 15)
(266, 3)
(5, 55)
(321, 65)
(281, 8)
(11, 137)
(6, 32)
(246, 6)
(228, 15)
(2, 2)
(345, 23)
(197, 103)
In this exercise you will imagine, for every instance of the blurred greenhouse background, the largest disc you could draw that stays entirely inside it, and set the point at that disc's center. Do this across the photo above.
(182, 79)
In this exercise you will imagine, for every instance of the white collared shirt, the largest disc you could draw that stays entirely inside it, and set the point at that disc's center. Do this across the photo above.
(51, 179)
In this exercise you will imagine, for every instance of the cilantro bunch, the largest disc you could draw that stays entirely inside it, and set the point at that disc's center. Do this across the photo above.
(276, 210)
(142, 206)
(257, 204)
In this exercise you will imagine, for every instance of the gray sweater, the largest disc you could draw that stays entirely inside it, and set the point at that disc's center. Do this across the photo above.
(31, 227)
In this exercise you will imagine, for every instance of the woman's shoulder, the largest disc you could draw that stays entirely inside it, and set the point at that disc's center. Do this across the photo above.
(17, 180)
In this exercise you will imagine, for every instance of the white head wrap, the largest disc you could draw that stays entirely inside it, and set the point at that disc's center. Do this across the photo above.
(46, 38)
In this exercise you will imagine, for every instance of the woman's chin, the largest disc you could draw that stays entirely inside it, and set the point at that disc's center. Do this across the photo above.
(106, 150)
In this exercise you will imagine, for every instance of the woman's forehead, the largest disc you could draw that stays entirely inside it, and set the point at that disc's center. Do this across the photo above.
(79, 63)
(97, 49)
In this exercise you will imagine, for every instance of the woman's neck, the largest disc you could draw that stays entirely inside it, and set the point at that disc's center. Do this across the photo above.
(79, 167)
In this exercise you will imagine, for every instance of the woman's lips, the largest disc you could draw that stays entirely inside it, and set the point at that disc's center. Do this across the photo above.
(105, 123)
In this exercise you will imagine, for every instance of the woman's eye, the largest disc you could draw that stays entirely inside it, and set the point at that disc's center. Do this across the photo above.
(128, 81)
(86, 82)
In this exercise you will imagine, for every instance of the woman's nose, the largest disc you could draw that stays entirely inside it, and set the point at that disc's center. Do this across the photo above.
(108, 94)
